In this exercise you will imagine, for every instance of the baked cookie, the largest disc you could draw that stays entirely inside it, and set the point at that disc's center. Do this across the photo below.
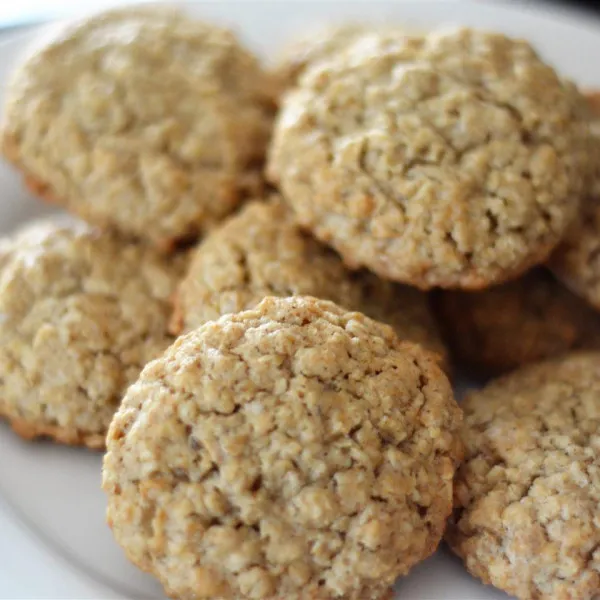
(142, 120)
(527, 494)
(82, 313)
(510, 325)
(576, 261)
(261, 252)
(290, 451)
(314, 45)
(453, 159)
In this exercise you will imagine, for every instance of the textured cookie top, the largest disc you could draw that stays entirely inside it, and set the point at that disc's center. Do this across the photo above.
(261, 252)
(257, 253)
(575, 261)
(454, 159)
(516, 323)
(528, 492)
(291, 451)
(140, 119)
(82, 313)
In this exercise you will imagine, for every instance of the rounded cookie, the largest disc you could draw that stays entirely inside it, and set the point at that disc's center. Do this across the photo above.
(82, 313)
(527, 493)
(453, 159)
(295, 450)
(141, 119)
(576, 261)
(262, 252)
(520, 322)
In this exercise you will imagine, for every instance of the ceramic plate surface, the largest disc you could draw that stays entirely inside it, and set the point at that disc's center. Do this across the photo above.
(54, 543)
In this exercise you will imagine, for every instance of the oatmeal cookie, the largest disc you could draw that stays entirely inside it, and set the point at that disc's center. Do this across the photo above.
(82, 313)
(142, 120)
(520, 322)
(527, 494)
(260, 252)
(293, 451)
(453, 159)
(576, 262)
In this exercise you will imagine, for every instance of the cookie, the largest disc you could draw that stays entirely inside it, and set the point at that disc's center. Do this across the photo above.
(261, 252)
(141, 120)
(82, 313)
(453, 159)
(520, 322)
(527, 494)
(314, 45)
(575, 262)
(295, 451)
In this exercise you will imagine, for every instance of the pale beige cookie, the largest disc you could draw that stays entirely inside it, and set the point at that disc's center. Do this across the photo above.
(527, 494)
(452, 159)
(261, 252)
(577, 260)
(510, 325)
(82, 313)
(293, 451)
(141, 119)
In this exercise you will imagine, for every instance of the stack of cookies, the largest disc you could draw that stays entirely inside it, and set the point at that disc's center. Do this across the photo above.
(239, 310)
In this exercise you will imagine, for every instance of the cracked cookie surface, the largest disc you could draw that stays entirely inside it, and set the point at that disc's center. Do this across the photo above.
(261, 252)
(295, 450)
(454, 159)
(528, 491)
(141, 119)
(516, 323)
(577, 260)
(82, 313)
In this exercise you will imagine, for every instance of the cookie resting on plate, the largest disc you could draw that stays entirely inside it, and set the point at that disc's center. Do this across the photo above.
(82, 313)
(294, 450)
(141, 119)
(515, 323)
(528, 491)
(454, 159)
(261, 252)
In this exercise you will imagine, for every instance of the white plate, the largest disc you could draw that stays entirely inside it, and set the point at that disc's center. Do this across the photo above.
(53, 539)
